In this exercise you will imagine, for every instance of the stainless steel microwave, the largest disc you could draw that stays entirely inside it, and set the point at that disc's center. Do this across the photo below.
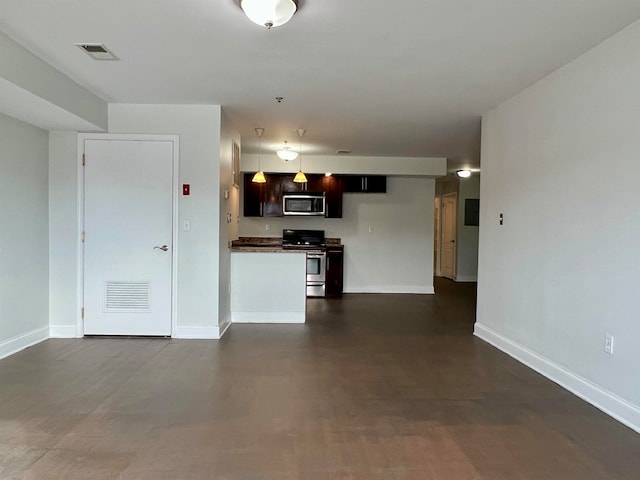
(303, 203)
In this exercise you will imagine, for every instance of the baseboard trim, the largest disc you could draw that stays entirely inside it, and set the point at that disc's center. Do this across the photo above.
(20, 342)
(611, 404)
(63, 331)
(267, 317)
(224, 327)
(466, 278)
(411, 289)
(197, 332)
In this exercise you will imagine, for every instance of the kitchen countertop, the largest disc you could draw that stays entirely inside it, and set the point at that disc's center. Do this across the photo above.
(274, 244)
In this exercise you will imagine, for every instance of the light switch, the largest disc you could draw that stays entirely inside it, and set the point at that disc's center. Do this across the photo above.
(186, 225)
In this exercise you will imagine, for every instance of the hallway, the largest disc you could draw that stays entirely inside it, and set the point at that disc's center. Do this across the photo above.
(372, 387)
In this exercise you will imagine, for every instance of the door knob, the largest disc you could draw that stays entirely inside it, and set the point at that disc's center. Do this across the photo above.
(164, 248)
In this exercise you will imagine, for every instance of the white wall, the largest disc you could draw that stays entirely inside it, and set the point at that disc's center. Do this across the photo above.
(561, 160)
(467, 235)
(229, 211)
(35, 92)
(396, 257)
(63, 233)
(198, 255)
(24, 269)
(201, 288)
(348, 164)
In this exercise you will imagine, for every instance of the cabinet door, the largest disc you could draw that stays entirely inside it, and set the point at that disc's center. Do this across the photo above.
(315, 183)
(333, 187)
(253, 196)
(273, 196)
(365, 183)
(335, 261)
(376, 184)
(353, 183)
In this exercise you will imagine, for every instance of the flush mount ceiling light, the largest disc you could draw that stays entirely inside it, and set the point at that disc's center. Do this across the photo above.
(463, 173)
(286, 154)
(259, 175)
(300, 177)
(269, 13)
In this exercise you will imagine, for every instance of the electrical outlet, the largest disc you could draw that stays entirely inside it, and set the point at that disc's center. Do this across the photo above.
(608, 343)
(267, 227)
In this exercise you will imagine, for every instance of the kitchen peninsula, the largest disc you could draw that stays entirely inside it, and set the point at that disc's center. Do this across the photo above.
(271, 278)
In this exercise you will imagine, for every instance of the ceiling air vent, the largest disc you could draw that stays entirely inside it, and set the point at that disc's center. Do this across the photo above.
(343, 152)
(97, 51)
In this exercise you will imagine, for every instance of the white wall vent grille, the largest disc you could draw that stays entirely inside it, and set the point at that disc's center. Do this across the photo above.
(127, 296)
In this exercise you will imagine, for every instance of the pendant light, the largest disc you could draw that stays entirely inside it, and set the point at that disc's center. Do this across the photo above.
(259, 175)
(300, 177)
(286, 154)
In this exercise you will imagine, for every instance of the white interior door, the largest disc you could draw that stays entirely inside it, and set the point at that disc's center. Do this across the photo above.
(128, 220)
(448, 245)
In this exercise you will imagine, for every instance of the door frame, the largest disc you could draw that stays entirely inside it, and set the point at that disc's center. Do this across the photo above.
(82, 138)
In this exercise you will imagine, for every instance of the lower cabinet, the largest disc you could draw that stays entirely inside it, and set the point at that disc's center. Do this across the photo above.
(335, 263)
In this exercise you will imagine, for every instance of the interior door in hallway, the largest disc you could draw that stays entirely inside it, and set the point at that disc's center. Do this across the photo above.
(448, 244)
(128, 224)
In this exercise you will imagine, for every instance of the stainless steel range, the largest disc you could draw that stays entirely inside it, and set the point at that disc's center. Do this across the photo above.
(314, 241)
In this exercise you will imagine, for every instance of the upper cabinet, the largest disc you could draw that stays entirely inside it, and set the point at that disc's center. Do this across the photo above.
(254, 195)
(365, 183)
(265, 199)
(333, 187)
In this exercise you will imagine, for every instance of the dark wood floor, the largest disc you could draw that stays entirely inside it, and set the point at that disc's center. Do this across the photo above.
(372, 387)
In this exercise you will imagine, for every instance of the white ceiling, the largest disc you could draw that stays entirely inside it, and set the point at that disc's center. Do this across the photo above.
(378, 77)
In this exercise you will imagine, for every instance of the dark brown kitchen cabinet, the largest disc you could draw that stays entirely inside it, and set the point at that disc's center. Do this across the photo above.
(333, 187)
(335, 267)
(365, 183)
(265, 199)
(254, 194)
(273, 195)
